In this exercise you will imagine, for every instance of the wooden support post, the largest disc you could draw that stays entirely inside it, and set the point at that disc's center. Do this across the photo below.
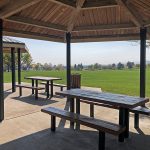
(1, 73)
(68, 61)
(68, 41)
(13, 69)
(143, 32)
(142, 61)
(19, 66)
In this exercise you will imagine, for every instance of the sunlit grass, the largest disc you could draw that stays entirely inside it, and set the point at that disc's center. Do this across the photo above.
(116, 81)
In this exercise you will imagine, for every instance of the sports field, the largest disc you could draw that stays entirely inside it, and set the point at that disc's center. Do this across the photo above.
(116, 81)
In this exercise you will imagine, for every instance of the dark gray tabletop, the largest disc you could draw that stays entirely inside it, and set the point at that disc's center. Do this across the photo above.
(124, 101)
(43, 78)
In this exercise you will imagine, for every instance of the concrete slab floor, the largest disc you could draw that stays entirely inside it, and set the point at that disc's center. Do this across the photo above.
(26, 128)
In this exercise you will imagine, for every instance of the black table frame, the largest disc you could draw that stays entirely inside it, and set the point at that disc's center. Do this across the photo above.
(35, 82)
(123, 118)
(124, 103)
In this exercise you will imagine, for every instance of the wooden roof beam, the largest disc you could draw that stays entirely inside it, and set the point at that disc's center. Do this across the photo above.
(103, 38)
(14, 6)
(99, 4)
(66, 3)
(134, 16)
(104, 27)
(36, 23)
(74, 15)
(31, 35)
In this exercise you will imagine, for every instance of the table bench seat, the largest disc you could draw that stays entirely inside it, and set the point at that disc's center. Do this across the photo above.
(55, 84)
(29, 87)
(102, 126)
(141, 110)
(137, 110)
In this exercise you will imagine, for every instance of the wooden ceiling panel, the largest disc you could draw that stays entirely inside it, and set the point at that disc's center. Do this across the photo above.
(47, 11)
(114, 15)
(49, 19)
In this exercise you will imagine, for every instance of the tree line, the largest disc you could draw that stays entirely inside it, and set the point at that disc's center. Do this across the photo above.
(97, 66)
(28, 64)
(26, 61)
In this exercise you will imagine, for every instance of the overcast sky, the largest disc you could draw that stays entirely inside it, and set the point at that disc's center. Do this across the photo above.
(85, 53)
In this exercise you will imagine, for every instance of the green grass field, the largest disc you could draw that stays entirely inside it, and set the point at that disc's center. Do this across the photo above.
(116, 81)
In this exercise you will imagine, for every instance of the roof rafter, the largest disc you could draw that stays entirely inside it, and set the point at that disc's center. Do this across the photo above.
(88, 4)
(134, 16)
(99, 4)
(14, 6)
(66, 3)
(36, 23)
(104, 27)
(74, 15)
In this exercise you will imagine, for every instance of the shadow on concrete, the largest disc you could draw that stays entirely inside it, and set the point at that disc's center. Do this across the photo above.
(62, 121)
(7, 93)
(31, 100)
(67, 139)
(139, 131)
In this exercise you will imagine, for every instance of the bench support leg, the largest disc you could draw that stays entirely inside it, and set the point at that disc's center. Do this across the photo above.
(91, 110)
(122, 123)
(136, 120)
(61, 88)
(45, 88)
(36, 94)
(53, 123)
(101, 144)
(20, 91)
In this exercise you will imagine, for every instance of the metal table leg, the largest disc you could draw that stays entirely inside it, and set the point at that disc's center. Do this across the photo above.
(78, 112)
(32, 86)
(51, 88)
(47, 89)
(122, 123)
(71, 100)
(36, 91)
(126, 134)
(36, 83)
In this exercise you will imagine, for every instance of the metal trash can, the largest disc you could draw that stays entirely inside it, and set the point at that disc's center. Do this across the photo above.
(75, 81)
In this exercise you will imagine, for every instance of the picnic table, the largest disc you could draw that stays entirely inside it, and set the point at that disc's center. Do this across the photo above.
(124, 103)
(48, 80)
